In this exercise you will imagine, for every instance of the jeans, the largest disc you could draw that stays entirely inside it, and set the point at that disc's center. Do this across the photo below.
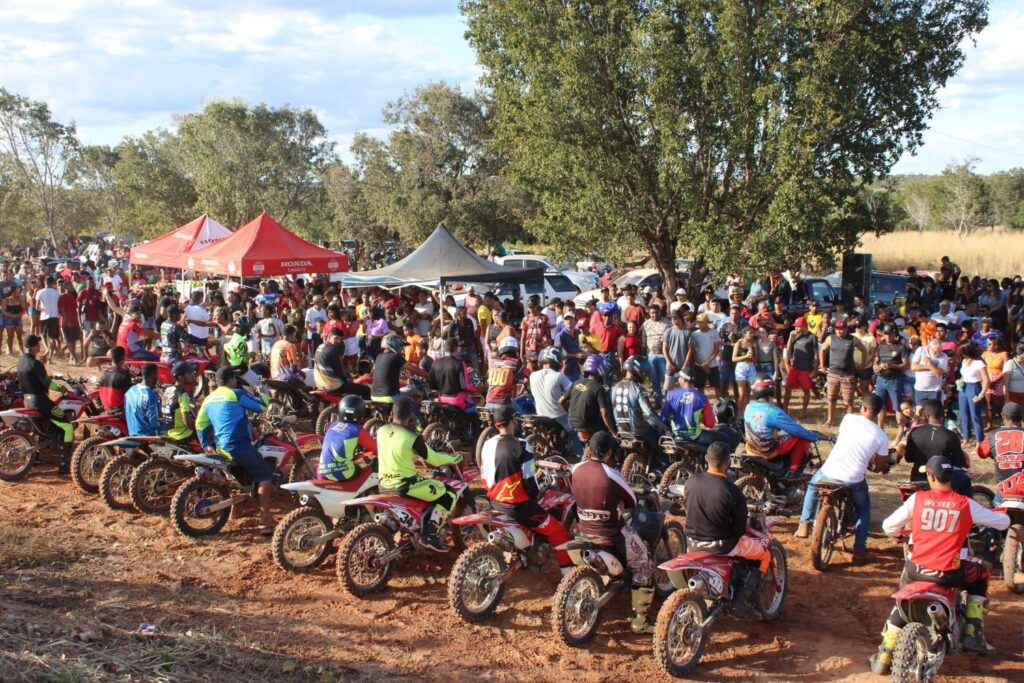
(655, 366)
(574, 439)
(922, 396)
(970, 412)
(144, 354)
(611, 365)
(861, 501)
(730, 437)
(889, 388)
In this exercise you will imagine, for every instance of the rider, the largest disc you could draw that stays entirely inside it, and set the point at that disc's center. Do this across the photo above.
(388, 367)
(449, 377)
(173, 335)
(236, 350)
(770, 431)
(549, 387)
(632, 411)
(177, 408)
(510, 475)
(502, 371)
(686, 409)
(398, 446)
(337, 458)
(860, 445)
(35, 386)
(589, 407)
(940, 520)
(1006, 448)
(142, 405)
(602, 496)
(114, 382)
(224, 430)
(131, 335)
(329, 369)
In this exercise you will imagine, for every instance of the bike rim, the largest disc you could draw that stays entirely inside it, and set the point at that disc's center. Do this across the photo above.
(95, 460)
(582, 613)
(198, 499)
(684, 633)
(13, 455)
(480, 589)
(299, 548)
(828, 539)
(771, 594)
(154, 485)
(119, 489)
(362, 568)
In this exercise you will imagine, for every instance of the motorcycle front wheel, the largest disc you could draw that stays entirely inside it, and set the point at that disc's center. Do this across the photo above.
(359, 571)
(294, 545)
(152, 484)
(823, 538)
(635, 465)
(486, 434)
(576, 614)
(473, 593)
(115, 480)
(671, 545)
(679, 635)
(754, 488)
(188, 508)
(87, 461)
(774, 585)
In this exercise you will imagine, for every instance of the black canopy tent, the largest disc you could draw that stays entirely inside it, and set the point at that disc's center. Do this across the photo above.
(441, 260)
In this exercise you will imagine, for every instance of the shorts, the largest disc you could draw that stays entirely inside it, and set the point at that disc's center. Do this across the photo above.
(249, 459)
(799, 379)
(996, 388)
(12, 322)
(89, 325)
(72, 334)
(867, 374)
(352, 346)
(841, 385)
(714, 378)
(745, 372)
(50, 328)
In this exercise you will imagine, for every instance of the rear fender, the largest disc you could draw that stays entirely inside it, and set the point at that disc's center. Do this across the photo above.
(302, 487)
(484, 518)
(924, 591)
(715, 570)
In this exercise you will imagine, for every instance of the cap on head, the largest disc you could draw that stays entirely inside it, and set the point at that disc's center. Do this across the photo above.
(503, 415)
(840, 325)
(601, 442)
(939, 467)
(680, 291)
(225, 373)
(800, 322)
(1012, 411)
(702, 317)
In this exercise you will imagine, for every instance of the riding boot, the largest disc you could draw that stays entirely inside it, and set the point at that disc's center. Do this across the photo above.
(64, 459)
(974, 636)
(434, 518)
(643, 596)
(881, 661)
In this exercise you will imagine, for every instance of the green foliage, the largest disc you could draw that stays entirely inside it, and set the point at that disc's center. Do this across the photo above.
(156, 194)
(965, 204)
(740, 132)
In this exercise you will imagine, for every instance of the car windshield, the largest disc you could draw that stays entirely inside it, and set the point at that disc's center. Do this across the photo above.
(630, 279)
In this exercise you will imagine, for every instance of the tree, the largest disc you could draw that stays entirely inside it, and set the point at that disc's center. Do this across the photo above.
(353, 217)
(243, 160)
(966, 204)
(1006, 190)
(156, 195)
(18, 216)
(918, 198)
(739, 131)
(39, 149)
(93, 173)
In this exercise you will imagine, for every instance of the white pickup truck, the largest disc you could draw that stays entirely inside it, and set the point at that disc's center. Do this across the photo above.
(581, 280)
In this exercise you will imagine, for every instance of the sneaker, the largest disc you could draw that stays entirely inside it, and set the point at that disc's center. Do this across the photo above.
(861, 558)
(641, 625)
(975, 642)
(803, 531)
(880, 662)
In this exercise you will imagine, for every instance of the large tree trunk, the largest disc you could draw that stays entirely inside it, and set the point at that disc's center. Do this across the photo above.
(698, 272)
(663, 251)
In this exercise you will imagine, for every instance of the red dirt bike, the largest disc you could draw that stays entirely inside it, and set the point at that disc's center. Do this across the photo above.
(377, 414)
(201, 506)
(711, 586)
(144, 475)
(90, 456)
(27, 432)
(365, 557)
(935, 616)
(477, 582)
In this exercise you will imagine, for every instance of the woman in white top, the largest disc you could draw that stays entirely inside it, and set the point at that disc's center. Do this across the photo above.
(1013, 375)
(972, 386)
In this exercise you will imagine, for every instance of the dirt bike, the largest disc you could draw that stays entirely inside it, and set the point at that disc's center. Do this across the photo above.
(201, 506)
(27, 432)
(599, 575)
(547, 437)
(377, 414)
(448, 428)
(639, 460)
(294, 398)
(711, 586)
(305, 537)
(365, 557)
(89, 456)
(687, 459)
(767, 480)
(936, 617)
(144, 475)
(477, 582)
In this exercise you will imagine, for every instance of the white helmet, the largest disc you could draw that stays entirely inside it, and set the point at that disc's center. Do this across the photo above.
(508, 345)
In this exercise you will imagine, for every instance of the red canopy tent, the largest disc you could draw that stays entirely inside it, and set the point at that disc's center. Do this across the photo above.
(171, 250)
(265, 247)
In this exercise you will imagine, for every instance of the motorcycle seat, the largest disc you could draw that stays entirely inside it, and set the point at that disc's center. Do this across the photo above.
(829, 487)
(29, 412)
(777, 465)
(349, 485)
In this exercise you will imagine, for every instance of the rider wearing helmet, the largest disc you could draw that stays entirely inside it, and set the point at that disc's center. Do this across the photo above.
(388, 367)
(502, 372)
(771, 432)
(550, 389)
(510, 475)
(398, 446)
(177, 409)
(590, 411)
(337, 458)
(631, 408)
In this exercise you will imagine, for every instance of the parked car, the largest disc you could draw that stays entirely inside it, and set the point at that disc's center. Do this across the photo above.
(886, 288)
(581, 280)
(641, 277)
(555, 285)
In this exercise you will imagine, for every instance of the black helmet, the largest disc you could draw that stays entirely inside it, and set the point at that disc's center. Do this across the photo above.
(352, 409)
(634, 365)
(762, 386)
(725, 411)
(243, 325)
(183, 367)
(261, 370)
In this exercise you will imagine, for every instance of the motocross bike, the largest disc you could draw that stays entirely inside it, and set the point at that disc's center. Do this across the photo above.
(305, 537)
(377, 414)
(89, 457)
(160, 476)
(936, 617)
(767, 480)
(599, 574)
(27, 433)
(547, 438)
(711, 586)
(448, 428)
(365, 557)
(477, 582)
(687, 459)
(201, 506)
(294, 398)
(638, 460)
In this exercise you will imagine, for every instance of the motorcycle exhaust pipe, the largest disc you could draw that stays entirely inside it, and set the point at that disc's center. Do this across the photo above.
(594, 560)
(938, 615)
(697, 584)
(230, 502)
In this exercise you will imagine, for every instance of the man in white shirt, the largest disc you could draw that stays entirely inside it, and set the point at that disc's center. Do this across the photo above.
(315, 315)
(930, 366)
(49, 314)
(548, 386)
(198, 318)
(948, 314)
(680, 302)
(860, 445)
(425, 308)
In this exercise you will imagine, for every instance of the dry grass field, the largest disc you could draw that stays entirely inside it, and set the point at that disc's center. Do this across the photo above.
(994, 253)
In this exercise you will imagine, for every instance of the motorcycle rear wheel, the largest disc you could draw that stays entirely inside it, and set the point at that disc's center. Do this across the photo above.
(575, 617)
(303, 468)
(187, 507)
(1013, 558)
(676, 474)
(472, 594)
(87, 463)
(292, 546)
(325, 418)
(372, 425)
(115, 480)
(823, 538)
(753, 487)
(770, 595)
(356, 573)
(486, 434)
(14, 463)
(150, 485)
(912, 651)
(671, 545)
(635, 465)
(679, 639)
(437, 436)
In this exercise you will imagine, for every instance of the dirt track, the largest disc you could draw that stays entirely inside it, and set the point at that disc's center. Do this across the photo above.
(222, 608)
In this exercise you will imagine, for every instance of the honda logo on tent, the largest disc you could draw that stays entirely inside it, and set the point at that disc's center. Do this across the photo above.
(332, 265)
(257, 267)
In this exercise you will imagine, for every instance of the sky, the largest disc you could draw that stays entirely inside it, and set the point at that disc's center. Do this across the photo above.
(122, 67)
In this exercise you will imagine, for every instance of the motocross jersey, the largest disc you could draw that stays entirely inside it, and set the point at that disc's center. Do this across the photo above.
(508, 471)
(172, 336)
(142, 411)
(684, 409)
(114, 382)
(175, 404)
(631, 410)
(236, 351)
(397, 448)
(337, 457)
(222, 420)
(765, 424)
(1006, 447)
(501, 379)
(601, 496)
